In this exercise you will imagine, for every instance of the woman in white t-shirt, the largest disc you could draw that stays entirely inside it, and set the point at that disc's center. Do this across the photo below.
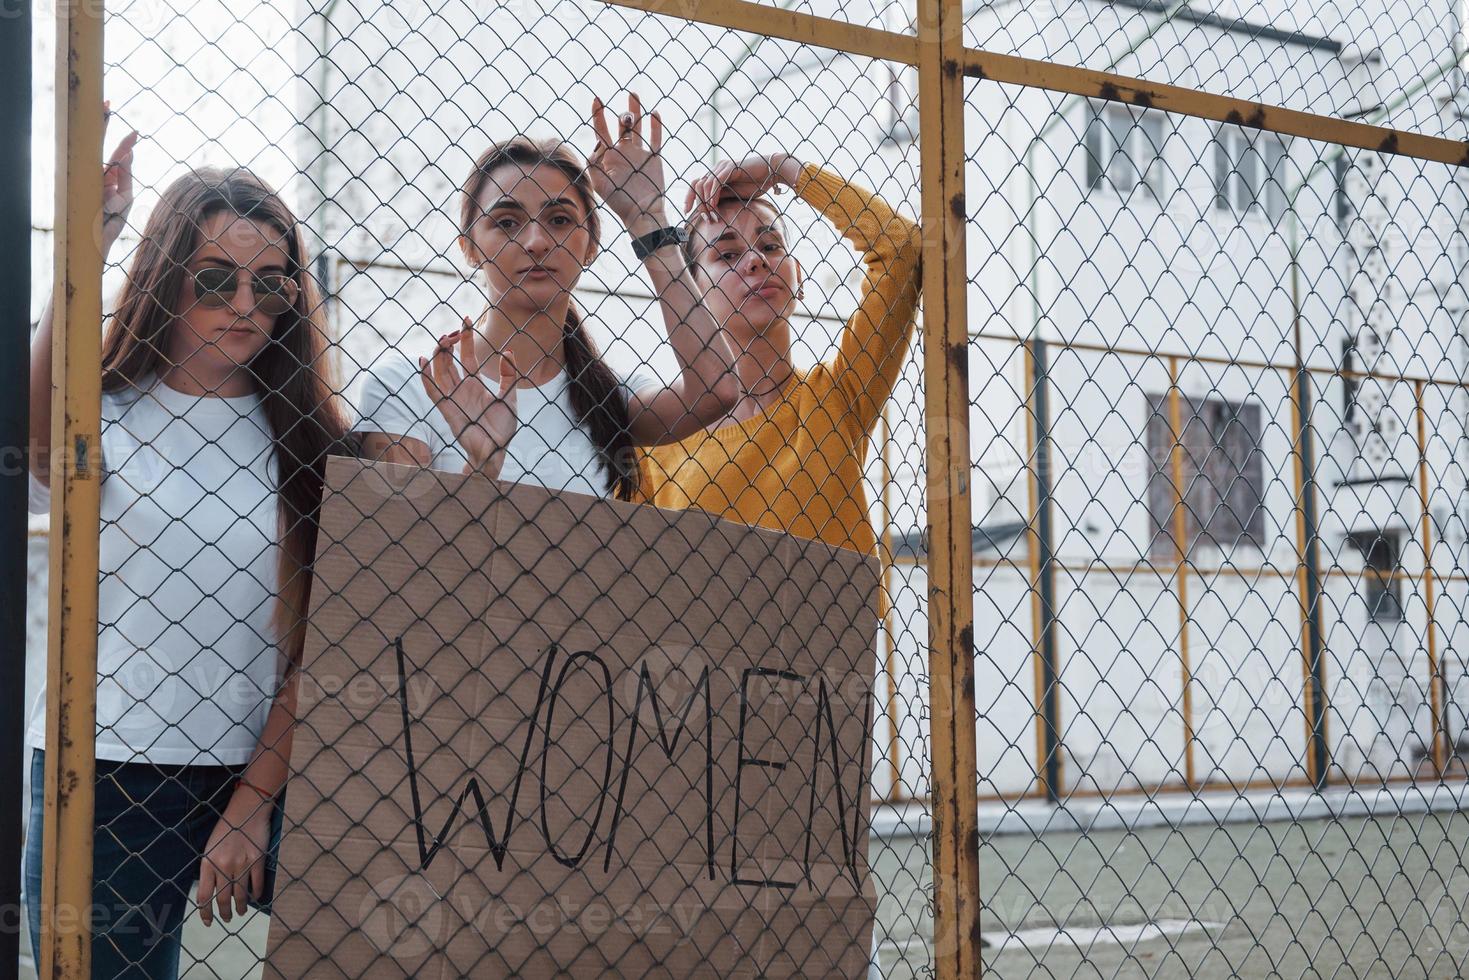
(217, 418)
(522, 393)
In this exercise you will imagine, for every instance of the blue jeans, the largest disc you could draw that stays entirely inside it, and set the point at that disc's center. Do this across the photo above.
(153, 823)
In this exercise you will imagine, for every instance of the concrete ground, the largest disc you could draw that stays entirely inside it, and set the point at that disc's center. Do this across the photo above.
(1358, 897)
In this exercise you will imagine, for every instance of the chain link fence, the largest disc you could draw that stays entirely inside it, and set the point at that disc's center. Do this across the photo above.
(1181, 409)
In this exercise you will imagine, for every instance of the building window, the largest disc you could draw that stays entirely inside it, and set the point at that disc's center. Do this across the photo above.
(1249, 172)
(1124, 150)
(900, 119)
(1223, 475)
(1381, 590)
(1343, 208)
(1349, 381)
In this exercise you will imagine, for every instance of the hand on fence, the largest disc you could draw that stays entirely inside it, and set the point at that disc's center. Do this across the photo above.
(627, 172)
(748, 178)
(117, 184)
(233, 869)
(482, 419)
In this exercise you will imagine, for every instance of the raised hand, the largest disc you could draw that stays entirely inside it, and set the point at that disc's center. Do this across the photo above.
(117, 184)
(482, 417)
(746, 179)
(627, 172)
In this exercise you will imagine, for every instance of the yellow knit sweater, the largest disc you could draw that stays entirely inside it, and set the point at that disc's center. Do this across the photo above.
(797, 467)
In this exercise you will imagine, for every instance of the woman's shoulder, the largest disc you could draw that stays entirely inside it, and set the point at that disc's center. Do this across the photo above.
(393, 369)
(392, 399)
(394, 377)
(118, 402)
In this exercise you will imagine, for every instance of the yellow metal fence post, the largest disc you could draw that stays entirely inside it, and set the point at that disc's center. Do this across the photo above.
(889, 625)
(955, 792)
(1313, 699)
(1435, 677)
(71, 672)
(1181, 559)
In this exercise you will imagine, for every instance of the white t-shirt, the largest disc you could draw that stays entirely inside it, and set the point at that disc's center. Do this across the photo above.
(187, 661)
(550, 448)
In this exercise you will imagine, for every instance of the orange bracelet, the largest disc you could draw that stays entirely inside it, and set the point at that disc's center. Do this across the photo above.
(241, 781)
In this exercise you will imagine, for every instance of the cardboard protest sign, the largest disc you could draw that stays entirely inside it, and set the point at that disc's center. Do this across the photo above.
(545, 734)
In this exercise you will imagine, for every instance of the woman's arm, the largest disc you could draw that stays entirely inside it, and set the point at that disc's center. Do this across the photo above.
(117, 198)
(706, 387)
(40, 434)
(383, 447)
(233, 868)
(628, 174)
(875, 341)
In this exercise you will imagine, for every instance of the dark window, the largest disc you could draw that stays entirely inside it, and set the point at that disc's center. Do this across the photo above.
(1124, 150)
(1343, 203)
(1380, 584)
(1348, 381)
(1223, 475)
(901, 122)
(1249, 172)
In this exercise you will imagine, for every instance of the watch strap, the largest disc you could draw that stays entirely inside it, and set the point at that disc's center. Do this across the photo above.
(645, 245)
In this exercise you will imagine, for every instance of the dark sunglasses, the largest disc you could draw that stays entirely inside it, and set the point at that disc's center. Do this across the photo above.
(217, 286)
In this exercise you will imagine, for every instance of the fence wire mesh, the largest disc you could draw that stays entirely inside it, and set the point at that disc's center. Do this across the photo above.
(1215, 436)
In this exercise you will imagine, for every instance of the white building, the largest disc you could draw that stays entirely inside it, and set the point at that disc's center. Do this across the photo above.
(1092, 226)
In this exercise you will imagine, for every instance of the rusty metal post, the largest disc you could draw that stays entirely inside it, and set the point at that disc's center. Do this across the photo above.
(1308, 584)
(955, 799)
(71, 670)
(1181, 562)
(1435, 678)
(885, 594)
(1308, 548)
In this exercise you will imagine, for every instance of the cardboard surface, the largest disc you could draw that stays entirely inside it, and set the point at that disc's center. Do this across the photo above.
(544, 734)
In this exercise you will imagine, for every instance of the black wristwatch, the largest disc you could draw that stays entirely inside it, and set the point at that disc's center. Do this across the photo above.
(645, 245)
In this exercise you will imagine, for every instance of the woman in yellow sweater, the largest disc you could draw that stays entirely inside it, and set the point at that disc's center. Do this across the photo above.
(789, 456)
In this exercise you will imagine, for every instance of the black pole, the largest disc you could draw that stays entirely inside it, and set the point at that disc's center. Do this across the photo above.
(1315, 648)
(1050, 692)
(15, 359)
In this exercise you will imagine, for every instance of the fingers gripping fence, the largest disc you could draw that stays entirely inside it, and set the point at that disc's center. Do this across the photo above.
(1105, 624)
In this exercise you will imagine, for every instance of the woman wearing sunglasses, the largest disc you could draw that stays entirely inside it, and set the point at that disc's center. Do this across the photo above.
(217, 417)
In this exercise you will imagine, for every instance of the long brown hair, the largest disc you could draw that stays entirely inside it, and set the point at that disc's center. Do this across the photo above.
(597, 398)
(293, 374)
